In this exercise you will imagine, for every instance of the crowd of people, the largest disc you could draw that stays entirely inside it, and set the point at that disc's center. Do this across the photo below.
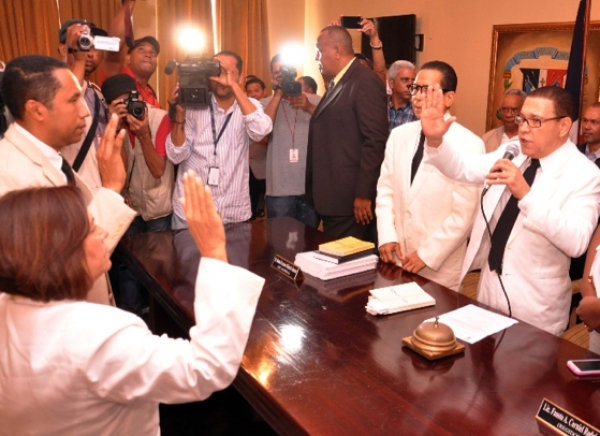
(378, 157)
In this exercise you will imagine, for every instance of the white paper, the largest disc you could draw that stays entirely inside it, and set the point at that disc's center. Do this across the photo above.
(471, 323)
(398, 298)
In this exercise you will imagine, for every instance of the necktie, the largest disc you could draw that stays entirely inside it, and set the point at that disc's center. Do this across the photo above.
(68, 171)
(417, 158)
(506, 222)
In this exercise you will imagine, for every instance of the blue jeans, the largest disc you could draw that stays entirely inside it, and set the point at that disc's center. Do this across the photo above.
(294, 206)
(129, 292)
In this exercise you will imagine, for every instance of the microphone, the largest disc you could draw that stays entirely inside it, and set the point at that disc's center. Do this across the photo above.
(512, 151)
(170, 67)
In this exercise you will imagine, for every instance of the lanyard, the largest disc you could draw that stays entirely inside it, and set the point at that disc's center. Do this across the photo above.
(214, 128)
(292, 130)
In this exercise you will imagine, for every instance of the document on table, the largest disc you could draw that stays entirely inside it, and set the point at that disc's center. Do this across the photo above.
(471, 323)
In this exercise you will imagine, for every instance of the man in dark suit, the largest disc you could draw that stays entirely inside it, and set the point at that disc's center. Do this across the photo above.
(590, 123)
(346, 140)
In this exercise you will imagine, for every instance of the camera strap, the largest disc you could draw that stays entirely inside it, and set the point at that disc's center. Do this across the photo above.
(214, 128)
(87, 142)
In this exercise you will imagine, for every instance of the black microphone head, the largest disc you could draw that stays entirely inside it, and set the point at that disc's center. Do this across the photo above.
(170, 67)
(513, 149)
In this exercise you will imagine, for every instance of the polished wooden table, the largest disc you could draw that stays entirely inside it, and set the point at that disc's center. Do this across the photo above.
(317, 363)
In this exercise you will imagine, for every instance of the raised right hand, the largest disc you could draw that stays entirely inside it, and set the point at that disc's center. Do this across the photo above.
(110, 162)
(203, 219)
(432, 116)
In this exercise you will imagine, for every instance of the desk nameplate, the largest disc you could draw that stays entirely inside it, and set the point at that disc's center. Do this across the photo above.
(287, 268)
(562, 422)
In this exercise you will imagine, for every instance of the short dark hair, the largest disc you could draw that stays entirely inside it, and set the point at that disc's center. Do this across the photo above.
(250, 79)
(340, 36)
(562, 99)
(449, 79)
(277, 58)
(310, 83)
(239, 63)
(42, 236)
(27, 78)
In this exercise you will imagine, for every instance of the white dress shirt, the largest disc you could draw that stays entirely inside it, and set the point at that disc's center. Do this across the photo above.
(76, 368)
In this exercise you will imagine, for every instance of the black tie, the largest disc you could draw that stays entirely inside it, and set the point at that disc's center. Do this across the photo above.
(68, 171)
(506, 222)
(417, 158)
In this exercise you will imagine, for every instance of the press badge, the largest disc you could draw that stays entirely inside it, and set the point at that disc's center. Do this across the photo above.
(294, 155)
(213, 176)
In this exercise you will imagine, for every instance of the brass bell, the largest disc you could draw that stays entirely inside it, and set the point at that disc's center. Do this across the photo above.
(433, 340)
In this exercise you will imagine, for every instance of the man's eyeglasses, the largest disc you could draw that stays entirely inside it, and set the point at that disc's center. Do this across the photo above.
(509, 110)
(418, 89)
(535, 123)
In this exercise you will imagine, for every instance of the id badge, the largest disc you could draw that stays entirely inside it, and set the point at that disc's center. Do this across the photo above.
(213, 176)
(293, 155)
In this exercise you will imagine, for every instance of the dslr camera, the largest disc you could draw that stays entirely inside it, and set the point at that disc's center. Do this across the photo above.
(86, 42)
(135, 106)
(194, 85)
(289, 85)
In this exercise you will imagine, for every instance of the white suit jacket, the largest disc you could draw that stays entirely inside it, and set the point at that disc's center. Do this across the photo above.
(558, 217)
(22, 165)
(434, 215)
(75, 368)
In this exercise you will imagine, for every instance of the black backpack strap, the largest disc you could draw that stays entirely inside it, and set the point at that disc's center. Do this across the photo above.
(87, 142)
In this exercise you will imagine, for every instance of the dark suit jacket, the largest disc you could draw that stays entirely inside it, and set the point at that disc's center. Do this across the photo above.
(578, 263)
(346, 143)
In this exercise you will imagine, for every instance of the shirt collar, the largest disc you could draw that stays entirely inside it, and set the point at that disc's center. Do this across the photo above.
(555, 160)
(591, 156)
(339, 75)
(51, 154)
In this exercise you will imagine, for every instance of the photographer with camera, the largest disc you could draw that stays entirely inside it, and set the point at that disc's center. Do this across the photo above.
(213, 139)
(290, 109)
(83, 61)
(138, 58)
(150, 176)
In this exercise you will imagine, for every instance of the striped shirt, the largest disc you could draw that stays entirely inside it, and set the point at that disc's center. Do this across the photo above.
(232, 196)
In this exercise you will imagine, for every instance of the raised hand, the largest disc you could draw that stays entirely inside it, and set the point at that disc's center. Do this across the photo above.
(110, 162)
(203, 220)
(432, 115)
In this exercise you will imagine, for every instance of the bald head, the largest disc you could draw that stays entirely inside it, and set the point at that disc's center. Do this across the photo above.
(334, 50)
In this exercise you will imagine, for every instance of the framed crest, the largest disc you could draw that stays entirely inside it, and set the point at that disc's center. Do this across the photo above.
(528, 56)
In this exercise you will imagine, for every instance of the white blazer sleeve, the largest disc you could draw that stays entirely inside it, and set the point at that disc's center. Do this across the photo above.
(384, 203)
(112, 214)
(131, 364)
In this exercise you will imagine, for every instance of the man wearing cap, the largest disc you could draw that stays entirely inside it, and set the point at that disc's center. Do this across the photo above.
(139, 62)
(149, 183)
(82, 154)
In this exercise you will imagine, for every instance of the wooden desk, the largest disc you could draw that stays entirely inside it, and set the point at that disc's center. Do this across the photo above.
(318, 364)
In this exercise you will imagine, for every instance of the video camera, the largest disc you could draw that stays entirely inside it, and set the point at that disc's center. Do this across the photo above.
(194, 85)
(135, 106)
(87, 41)
(289, 85)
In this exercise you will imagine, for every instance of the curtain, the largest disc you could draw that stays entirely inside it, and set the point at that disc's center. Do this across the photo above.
(242, 28)
(171, 15)
(31, 26)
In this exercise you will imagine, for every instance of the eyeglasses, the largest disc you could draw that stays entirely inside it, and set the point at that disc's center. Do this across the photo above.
(509, 110)
(418, 89)
(535, 123)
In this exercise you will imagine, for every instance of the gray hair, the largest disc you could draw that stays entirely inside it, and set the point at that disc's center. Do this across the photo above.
(514, 91)
(396, 66)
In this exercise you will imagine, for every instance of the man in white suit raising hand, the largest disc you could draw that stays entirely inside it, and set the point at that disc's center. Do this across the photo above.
(542, 207)
(424, 217)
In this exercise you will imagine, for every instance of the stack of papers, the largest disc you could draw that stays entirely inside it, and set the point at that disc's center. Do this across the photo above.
(399, 298)
(343, 288)
(324, 270)
(472, 323)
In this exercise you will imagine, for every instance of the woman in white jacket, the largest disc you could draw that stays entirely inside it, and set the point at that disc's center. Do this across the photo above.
(589, 308)
(72, 367)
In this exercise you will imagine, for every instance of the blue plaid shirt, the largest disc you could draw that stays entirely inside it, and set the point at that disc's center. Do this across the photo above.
(402, 115)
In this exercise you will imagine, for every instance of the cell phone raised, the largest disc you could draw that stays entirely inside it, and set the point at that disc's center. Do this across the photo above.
(351, 22)
(584, 367)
